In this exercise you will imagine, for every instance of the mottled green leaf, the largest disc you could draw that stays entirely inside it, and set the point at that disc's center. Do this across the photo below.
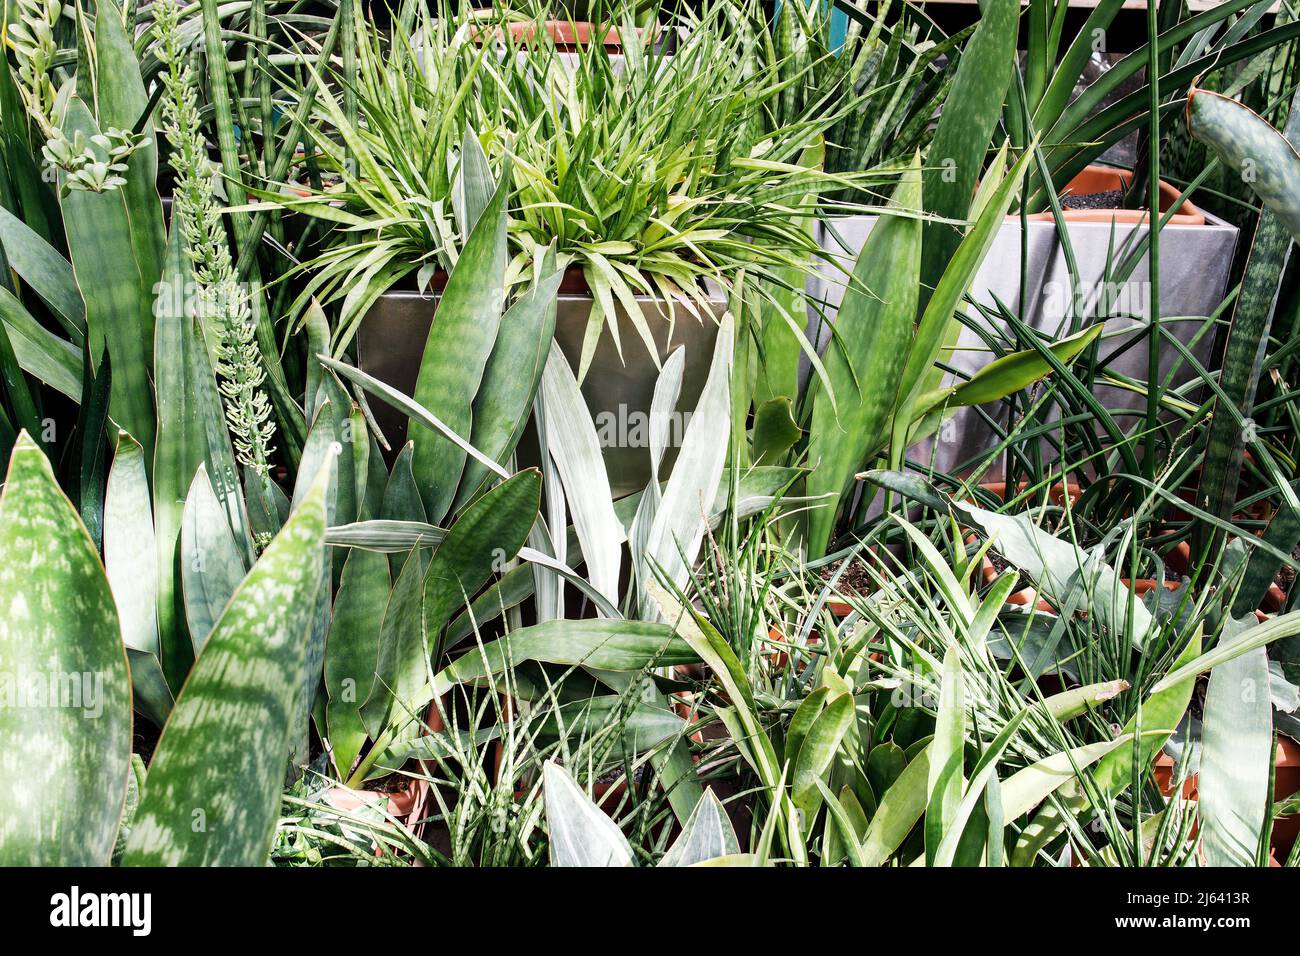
(873, 333)
(211, 567)
(129, 546)
(352, 649)
(601, 644)
(119, 300)
(456, 352)
(510, 381)
(65, 726)
(213, 792)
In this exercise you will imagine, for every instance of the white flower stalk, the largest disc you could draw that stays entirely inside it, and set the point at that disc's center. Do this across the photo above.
(31, 38)
(223, 304)
(94, 165)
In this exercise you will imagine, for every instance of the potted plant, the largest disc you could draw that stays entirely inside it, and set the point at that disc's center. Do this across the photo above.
(663, 185)
(655, 191)
(572, 27)
(1096, 194)
(1197, 249)
(1286, 783)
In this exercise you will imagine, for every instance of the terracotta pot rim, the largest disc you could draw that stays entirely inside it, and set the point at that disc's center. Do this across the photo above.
(568, 35)
(1188, 213)
(1056, 493)
(401, 803)
(1286, 755)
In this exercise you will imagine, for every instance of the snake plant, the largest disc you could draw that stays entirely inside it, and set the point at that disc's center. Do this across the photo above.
(1268, 163)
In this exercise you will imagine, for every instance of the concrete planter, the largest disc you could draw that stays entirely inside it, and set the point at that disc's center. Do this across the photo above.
(618, 390)
(1194, 265)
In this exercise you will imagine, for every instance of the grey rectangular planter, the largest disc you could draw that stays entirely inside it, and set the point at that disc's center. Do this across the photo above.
(618, 391)
(1194, 264)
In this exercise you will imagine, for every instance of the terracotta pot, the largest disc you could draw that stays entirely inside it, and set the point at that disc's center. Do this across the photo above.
(570, 36)
(1286, 782)
(842, 609)
(1057, 494)
(779, 659)
(1163, 770)
(1104, 179)
(1178, 560)
(1274, 599)
(406, 804)
(606, 795)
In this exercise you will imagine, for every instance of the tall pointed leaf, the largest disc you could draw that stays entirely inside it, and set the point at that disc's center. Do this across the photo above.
(511, 380)
(1267, 161)
(129, 546)
(873, 331)
(966, 126)
(460, 342)
(572, 443)
(65, 743)
(213, 792)
(122, 102)
(351, 651)
(1236, 742)
(680, 521)
(130, 560)
(119, 300)
(211, 567)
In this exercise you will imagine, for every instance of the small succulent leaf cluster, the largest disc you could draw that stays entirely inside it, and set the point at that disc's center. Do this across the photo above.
(31, 37)
(96, 164)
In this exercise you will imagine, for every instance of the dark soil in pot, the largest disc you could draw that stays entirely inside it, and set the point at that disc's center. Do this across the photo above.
(1112, 199)
(615, 775)
(1283, 581)
(855, 582)
(393, 783)
(1286, 574)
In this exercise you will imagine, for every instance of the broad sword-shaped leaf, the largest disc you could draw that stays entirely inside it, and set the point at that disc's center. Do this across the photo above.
(213, 793)
(65, 717)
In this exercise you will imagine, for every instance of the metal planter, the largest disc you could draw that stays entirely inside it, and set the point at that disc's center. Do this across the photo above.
(618, 390)
(1194, 265)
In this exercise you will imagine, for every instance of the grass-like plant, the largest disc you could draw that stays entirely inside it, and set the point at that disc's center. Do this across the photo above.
(653, 171)
(656, 172)
(385, 131)
(884, 78)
